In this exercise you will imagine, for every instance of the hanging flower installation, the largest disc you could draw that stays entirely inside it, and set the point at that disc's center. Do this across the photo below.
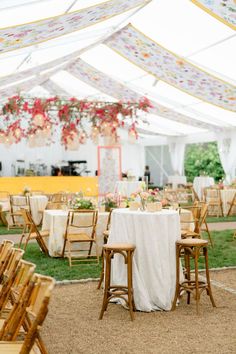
(35, 119)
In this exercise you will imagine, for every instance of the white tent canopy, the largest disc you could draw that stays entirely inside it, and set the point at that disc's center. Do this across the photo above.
(179, 26)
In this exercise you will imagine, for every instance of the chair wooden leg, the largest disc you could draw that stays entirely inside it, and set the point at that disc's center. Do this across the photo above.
(107, 284)
(177, 287)
(230, 208)
(130, 285)
(102, 272)
(205, 252)
(63, 249)
(188, 274)
(69, 253)
(209, 234)
(196, 278)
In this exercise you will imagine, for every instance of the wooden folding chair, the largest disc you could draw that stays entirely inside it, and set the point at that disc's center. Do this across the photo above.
(212, 197)
(10, 269)
(15, 212)
(20, 280)
(80, 228)
(30, 314)
(232, 204)
(31, 232)
(58, 198)
(5, 253)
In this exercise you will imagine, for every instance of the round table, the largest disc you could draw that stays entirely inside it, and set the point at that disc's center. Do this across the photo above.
(154, 267)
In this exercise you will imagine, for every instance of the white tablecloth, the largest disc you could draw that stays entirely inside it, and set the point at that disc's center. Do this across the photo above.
(175, 180)
(55, 222)
(154, 268)
(127, 187)
(38, 204)
(227, 196)
(199, 183)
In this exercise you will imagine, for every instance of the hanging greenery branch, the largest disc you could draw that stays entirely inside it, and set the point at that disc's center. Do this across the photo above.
(35, 119)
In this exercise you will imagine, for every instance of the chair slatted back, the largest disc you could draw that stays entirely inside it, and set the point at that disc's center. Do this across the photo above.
(55, 206)
(5, 253)
(58, 198)
(22, 277)
(81, 220)
(5, 247)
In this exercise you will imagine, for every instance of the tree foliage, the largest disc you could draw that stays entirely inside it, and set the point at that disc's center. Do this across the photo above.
(203, 159)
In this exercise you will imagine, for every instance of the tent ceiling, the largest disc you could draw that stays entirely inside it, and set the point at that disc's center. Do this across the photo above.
(179, 26)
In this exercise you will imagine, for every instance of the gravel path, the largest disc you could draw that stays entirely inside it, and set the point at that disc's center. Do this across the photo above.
(72, 325)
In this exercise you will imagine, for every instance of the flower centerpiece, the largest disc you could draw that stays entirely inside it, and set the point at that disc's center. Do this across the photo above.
(146, 196)
(110, 201)
(81, 203)
(26, 190)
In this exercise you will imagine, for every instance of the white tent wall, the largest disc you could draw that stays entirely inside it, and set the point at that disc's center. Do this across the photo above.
(159, 162)
(132, 156)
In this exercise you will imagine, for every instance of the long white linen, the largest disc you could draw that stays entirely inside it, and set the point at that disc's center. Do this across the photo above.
(177, 150)
(37, 205)
(127, 187)
(227, 147)
(175, 180)
(199, 183)
(55, 222)
(154, 235)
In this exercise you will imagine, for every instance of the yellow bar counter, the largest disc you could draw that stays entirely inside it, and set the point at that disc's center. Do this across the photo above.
(51, 184)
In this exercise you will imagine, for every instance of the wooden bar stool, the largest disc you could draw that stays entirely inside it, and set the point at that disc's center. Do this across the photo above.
(192, 249)
(118, 291)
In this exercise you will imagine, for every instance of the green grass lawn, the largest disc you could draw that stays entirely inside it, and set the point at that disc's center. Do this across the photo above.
(221, 218)
(223, 254)
(5, 231)
(58, 267)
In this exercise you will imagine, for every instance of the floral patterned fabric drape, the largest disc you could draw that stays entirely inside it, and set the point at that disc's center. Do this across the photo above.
(108, 85)
(172, 69)
(223, 10)
(28, 34)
